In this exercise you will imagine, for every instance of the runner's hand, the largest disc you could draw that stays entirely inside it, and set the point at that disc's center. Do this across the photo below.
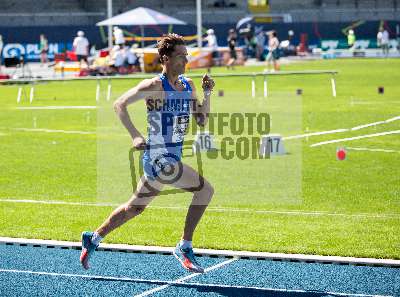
(139, 143)
(207, 83)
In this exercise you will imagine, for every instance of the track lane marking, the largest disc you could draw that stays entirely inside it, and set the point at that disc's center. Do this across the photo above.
(212, 209)
(178, 282)
(181, 280)
(355, 138)
(55, 107)
(54, 131)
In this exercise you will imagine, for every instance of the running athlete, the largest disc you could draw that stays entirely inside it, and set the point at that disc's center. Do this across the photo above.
(170, 99)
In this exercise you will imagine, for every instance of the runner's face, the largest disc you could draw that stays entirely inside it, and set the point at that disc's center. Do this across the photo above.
(178, 59)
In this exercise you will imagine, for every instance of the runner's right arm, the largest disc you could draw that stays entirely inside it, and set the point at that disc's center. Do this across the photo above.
(133, 95)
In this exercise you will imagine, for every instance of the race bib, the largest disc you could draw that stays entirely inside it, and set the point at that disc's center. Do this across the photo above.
(179, 128)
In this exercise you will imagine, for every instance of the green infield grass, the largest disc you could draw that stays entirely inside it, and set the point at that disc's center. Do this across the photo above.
(63, 171)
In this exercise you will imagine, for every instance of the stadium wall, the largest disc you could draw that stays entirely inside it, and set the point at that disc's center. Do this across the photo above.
(62, 36)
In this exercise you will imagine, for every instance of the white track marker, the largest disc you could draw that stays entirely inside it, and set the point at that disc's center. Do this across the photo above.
(181, 280)
(214, 209)
(172, 283)
(56, 107)
(98, 91)
(253, 88)
(32, 95)
(371, 149)
(355, 138)
(54, 131)
(333, 86)
(265, 87)
(19, 94)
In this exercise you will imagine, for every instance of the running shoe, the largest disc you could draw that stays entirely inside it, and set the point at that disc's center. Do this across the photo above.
(88, 249)
(187, 259)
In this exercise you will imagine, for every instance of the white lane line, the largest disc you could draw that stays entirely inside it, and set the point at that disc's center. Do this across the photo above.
(315, 134)
(283, 290)
(212, 209)
(57, 202)
(181, 280)
(55, 131)
(342, 130)
(375, 123)
(177, 282)
(355, 138)
(367, 125)
(371, 149)
(393, 119)
(56, 107)
(217, 140)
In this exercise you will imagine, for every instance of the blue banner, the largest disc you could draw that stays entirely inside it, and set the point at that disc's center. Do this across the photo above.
(31, 52)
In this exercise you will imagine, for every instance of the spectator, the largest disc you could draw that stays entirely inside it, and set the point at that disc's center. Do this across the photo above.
(290, 36)
(247, 34)
(273, 50)
(119, 38)
(132, 59)
(287, 47)
(260, 42)
(81, 48)
(383, 41)
(43, 48)
(232, 37)
(351, 39)
(117, 61)
(213, 45)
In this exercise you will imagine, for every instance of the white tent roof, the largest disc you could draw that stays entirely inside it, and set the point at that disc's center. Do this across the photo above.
(141, 16)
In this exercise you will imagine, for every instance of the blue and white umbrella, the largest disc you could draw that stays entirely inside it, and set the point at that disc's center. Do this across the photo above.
(243, 21)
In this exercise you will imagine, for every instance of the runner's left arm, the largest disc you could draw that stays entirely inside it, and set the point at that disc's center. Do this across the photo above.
(201, 110)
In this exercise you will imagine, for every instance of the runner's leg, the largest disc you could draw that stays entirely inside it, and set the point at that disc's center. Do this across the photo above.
(190, 181)
(146, 191)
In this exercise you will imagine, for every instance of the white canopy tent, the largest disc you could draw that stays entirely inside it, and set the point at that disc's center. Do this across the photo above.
(141, 16)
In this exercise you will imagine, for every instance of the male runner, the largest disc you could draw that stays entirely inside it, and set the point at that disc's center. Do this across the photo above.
(170, 98)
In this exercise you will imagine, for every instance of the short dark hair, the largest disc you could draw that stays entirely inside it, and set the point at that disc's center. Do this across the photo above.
(166, 45)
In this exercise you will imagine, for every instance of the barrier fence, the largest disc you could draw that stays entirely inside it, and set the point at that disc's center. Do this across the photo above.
(265, 75)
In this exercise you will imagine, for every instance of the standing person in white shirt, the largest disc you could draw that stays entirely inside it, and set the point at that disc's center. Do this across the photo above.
(117, 58)
(119, 38)
(213, 45)
(81, 47)
(383, 41)
(273, 48)
(44, 49)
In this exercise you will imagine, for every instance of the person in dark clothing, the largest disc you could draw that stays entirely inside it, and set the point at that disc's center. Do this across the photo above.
(232, 38)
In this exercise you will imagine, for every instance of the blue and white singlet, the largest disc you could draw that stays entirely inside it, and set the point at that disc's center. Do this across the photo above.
(167, 122)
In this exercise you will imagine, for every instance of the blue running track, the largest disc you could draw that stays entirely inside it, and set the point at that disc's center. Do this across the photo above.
(41, 271)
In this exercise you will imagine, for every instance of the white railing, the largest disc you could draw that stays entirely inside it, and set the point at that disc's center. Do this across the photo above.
(264, 75)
